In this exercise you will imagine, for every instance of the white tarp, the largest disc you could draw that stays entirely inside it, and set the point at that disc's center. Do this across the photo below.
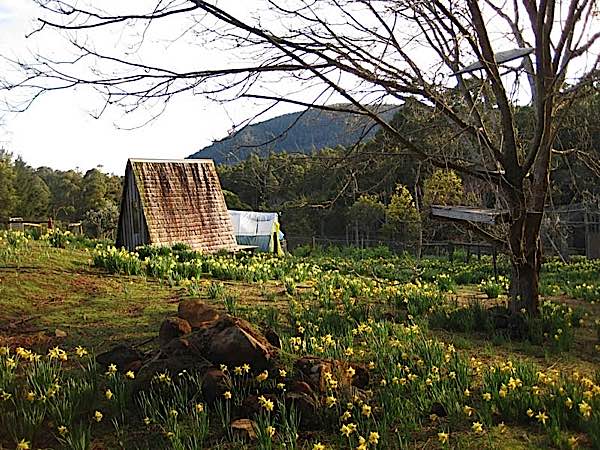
(252, 223)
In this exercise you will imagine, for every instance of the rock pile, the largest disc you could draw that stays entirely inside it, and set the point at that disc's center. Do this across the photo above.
(201, 340)
(197, 339)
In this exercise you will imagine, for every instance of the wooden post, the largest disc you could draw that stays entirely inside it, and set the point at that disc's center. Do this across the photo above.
(495, 261)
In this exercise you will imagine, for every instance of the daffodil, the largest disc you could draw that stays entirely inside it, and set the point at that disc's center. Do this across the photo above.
(477, 427)
(62, 430)
(108, 394)
(129, 374)
(266, 403)
(542, 417)
(366, 410)
(23, 445)
(262, 376)
(227, 395)
(80, 351)
(318, 446)
(373, 437)
(270, 430)
(585, 409)
(98, 416)
(443, 437)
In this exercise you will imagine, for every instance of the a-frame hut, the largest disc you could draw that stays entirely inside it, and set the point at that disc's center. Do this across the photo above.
(169, 201)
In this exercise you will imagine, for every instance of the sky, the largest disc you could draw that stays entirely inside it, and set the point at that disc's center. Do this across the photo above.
(58, 130)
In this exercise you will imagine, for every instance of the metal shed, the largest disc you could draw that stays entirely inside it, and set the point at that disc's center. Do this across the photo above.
(169, 201)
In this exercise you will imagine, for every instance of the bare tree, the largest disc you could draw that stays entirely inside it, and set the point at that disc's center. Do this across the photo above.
(365, 53)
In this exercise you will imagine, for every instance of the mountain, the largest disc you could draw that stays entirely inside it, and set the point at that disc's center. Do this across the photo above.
(299, 132)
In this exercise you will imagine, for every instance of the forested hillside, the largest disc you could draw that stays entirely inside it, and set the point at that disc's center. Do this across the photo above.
(299, 132)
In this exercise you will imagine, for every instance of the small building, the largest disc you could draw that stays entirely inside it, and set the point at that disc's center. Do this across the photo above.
(169, 201)
(258, 229)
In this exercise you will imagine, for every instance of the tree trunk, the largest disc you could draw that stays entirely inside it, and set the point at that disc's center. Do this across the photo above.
(526, 253)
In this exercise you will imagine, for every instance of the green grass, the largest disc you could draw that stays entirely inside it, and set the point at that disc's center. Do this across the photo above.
(58, 289)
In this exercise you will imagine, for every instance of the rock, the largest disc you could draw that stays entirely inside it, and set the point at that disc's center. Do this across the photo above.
(272, 338)
(232, 342)
(122, 356)
(307, 407)
(235, 346)
(196, 312)
(171, 328)
(244, 427)
(214, 384)
(172, 365)
(134, 366)
(301, 387)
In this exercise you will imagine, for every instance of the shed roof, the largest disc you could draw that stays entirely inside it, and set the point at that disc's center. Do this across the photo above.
(183, 202)
(468, 213)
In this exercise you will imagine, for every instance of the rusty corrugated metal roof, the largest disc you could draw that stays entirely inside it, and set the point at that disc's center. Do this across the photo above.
(183, 202)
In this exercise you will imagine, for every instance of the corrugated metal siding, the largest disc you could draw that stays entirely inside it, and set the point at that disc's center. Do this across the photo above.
(181, 202)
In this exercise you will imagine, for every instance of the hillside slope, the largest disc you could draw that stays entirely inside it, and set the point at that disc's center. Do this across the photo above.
(301, 132)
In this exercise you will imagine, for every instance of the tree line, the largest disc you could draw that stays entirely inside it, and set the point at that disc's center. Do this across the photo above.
(367, 192)
(40, 194)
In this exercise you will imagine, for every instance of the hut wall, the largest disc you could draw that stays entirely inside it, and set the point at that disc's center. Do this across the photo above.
(133, 231)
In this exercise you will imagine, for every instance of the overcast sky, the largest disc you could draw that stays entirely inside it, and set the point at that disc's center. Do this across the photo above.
(58, 130)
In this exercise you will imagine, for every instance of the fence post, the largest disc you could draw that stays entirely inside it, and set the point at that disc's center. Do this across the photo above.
(495, 261)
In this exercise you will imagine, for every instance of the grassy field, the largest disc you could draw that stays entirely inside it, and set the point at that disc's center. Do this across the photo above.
(69, 297)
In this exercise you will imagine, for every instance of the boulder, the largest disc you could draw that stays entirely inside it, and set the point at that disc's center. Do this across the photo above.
(172, 365)
(123, 356)
(307, 407)
(214, 384)
(232, 342)
(171, 328)
(196, 312)
(272, 338)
